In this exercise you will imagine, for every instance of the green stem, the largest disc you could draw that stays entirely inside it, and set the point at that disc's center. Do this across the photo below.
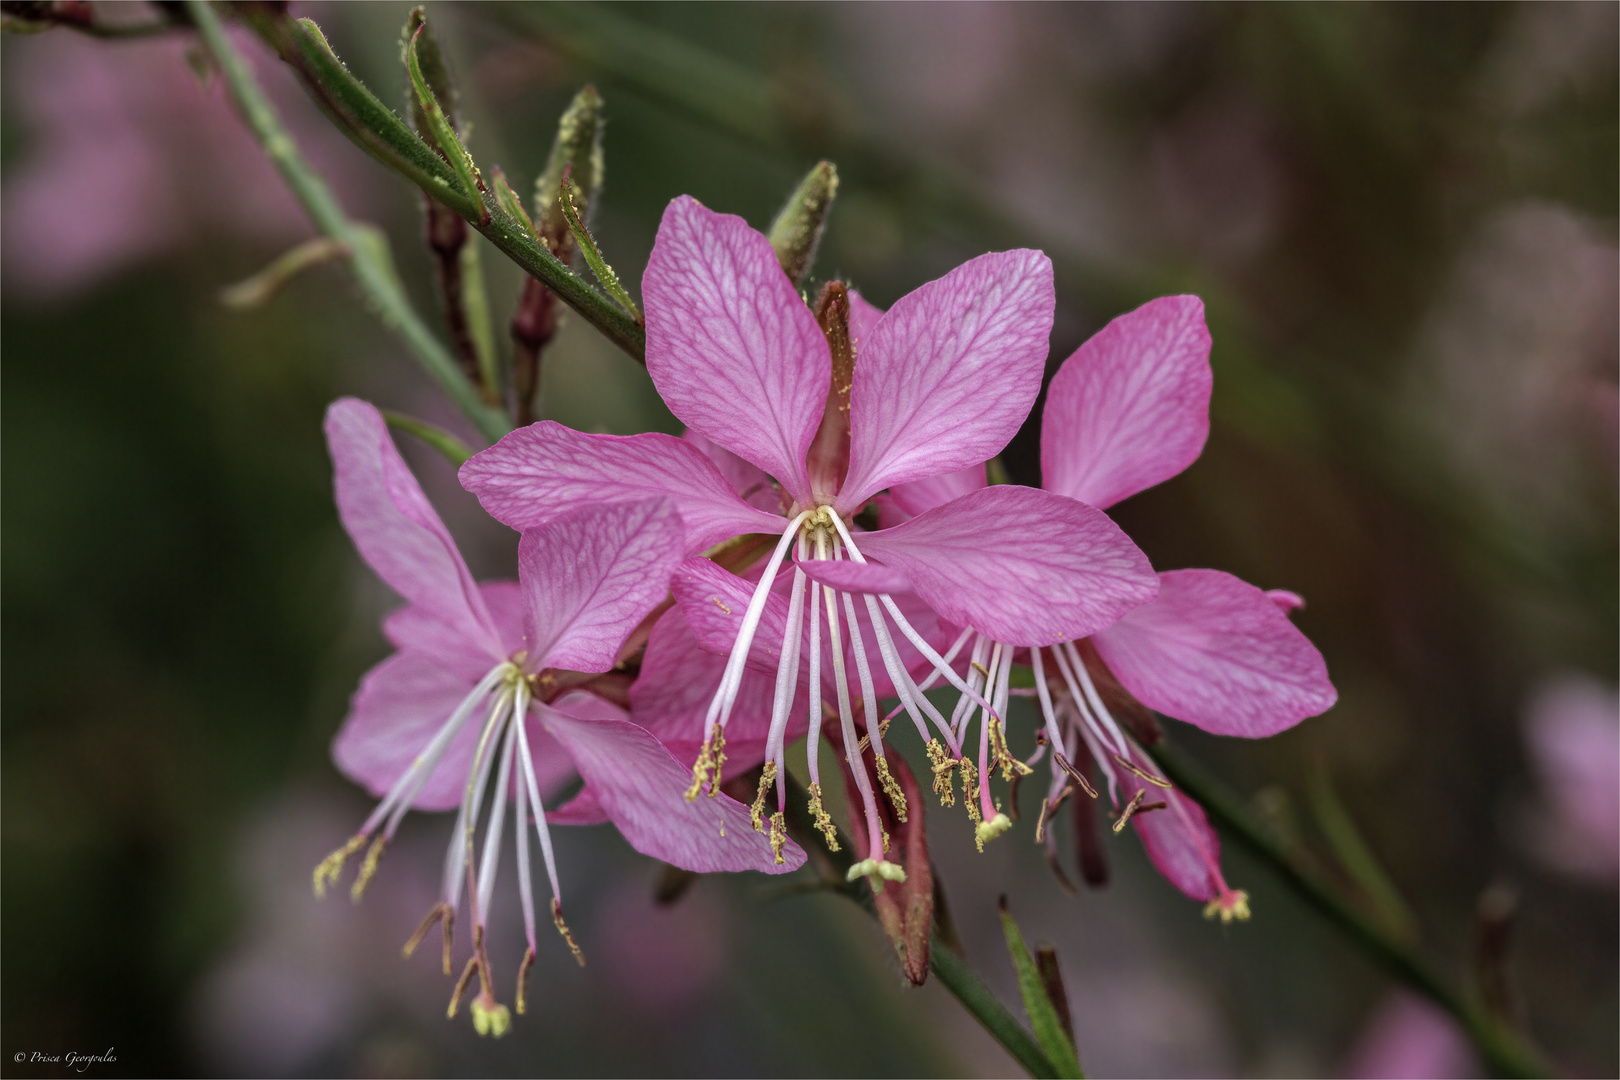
(368, 258)
(1505, 1050)
(375, 128)
(952, 970)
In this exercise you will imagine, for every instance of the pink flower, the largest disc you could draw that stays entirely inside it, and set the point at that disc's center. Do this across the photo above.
(1572, 724)
(939, 383)
(1408, 1038)
(1130, 409)
(488, 678)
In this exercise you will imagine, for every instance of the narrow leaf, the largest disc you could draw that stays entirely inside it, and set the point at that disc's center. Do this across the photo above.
(258, 290)
(1043, 1015)
(438, 438)
(1358, 860)
(475, 296)
(593, 257)
(443, 133)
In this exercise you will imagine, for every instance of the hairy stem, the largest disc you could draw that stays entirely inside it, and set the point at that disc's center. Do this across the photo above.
(368, 257)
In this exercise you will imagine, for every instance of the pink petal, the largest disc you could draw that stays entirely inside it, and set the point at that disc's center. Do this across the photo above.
(583, 809)
(1410, 1037)
(1178, 839)
(944, 380)
(1130, 408)
(642, 789)
(857, 577)
(395, 528)
(920, 496)
(749, 481)
(671, 696)
(542, 471)
(863, 319)
(731, 346)
(590, 577)
(411, 629)
(400, 705)
(1217, 652)
(1022, 565)
(1288, 601)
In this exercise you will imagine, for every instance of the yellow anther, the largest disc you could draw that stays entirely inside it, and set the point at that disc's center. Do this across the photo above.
(523, 979)
(367, 869)
(461, 987)
(970, 789)
(719, 759)
(1229, 906)
(1130, 808)
(1049, 808)
(897, 798)
(756, 813)
(885, 841)
(1010, 766)
(778, 836)
(331, 867)
(942, 764)
(824, 821)
(702, 767)
(490, 1017)
(991, 829)
(562, 928)
(866, 740)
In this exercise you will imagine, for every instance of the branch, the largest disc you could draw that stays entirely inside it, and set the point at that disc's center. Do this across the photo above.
(368, 253)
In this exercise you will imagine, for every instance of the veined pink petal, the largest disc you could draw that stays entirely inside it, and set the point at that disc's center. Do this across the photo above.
(1217, 652)
(583, 809)
(671, 696)
(412, 629)
(400, 705)
(1022, 565)
(396, 529)
(747, 479)
(949, 373)
(863, 318)
(642, 789)
(920, 496)
(1178, 839)
(856, 577)
(590, 577)
(543, 471)
(1130, 408)
(731, 346)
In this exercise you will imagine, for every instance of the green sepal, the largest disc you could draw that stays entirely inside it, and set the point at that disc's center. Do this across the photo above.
(593, 257)
(438, 438)
(1043, 1015)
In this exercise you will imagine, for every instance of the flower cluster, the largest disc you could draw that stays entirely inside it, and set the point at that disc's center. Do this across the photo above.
(822, 541)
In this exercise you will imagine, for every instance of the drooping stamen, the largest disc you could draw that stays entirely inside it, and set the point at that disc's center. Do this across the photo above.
(527, 761)
(964, 703)
(329, 869)
(787, 681)
(824, 820)
(1075, 774)
(942, 764)
(456, 856)
(441, 910)
(461, 987)
(725, 695)
(778, 836)
(523, 977)
(933, 675)
(1044, 693)
(846, 714)
(875, 729)
(562, 928)
(367, 869)
(1049, 806)
(970, 790)
(1137, 770)
(1130, 808)
(490, 860)
(812, 746)
(756, 813)
(1092, 697)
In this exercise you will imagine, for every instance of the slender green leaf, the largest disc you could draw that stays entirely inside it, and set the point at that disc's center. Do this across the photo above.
(445, 135)
(438, 438)
(258, 290)
(1043, 1015)
(475, 298)
(593, 256)
(1358, 859)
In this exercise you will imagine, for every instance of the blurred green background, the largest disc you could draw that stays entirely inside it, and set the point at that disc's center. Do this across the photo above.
(1403, 220)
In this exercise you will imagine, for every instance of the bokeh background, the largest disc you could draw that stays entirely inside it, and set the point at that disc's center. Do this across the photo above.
(1403, 220)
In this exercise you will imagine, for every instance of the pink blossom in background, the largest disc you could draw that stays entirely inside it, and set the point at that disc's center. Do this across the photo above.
(127, 156)
(1411, 1038)
(1572, 726)
(662, 958)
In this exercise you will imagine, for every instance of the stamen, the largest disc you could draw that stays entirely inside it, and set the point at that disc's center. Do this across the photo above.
(812, 745)
(1049, 807)
(787, 674)
(1130, 766)
(367, 869)
(824, 821)
(329, 869)
(1092, 696)
(970, 789)
(704, 766)
(1010, 766)
(540, 829)
(942, 764)
(1074, 774)
(523, 978)
(1130, 808)
(756, 813)
(491, 858)
(846, 713)
(778, 836)
(562, 928)
(441, 910)
(897, 798)
(461, 987)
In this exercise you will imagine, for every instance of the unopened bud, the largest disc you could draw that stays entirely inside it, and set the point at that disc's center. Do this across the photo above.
(577, 151)
(799, 224)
